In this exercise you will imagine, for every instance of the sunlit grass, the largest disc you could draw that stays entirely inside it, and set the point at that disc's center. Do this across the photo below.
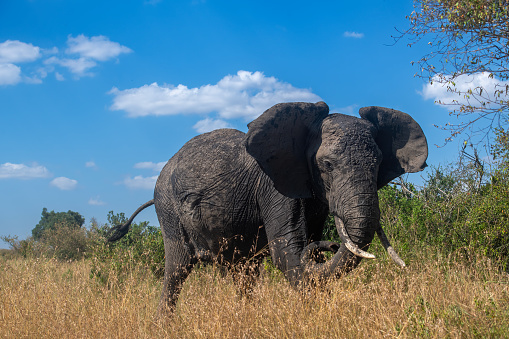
(435, 297)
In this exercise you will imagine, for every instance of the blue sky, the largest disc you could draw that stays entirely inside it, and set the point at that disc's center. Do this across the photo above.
(97, 95)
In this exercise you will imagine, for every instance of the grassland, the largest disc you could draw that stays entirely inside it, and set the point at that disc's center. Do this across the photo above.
(436, 297)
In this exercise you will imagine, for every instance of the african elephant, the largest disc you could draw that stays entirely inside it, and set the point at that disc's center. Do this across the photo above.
(226, 194)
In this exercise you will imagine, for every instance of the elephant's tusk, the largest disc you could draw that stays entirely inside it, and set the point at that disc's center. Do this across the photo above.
(387, 245)
(350, 245)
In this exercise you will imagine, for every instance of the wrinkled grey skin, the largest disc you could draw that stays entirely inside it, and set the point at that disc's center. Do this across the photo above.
(226, 195)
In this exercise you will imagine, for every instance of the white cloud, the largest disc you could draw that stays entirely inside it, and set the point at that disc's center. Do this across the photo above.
(14, 51)
(21, 171)
(438, 91)
(49, 51)
(91, 164)
(10, 74)
(150, 165)
(244, 95)
(89, 50)
(77, 66)
(64, 183)
(140, 182)
(33, 80)
(207, 125)
(355, 35)
(96, 202)
(99, 47)
(83, 54)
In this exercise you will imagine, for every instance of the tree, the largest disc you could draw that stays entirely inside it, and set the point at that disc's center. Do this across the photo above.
(49, 221)
(469, 41)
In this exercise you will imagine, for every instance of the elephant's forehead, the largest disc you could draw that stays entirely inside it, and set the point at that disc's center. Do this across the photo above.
(345, 128)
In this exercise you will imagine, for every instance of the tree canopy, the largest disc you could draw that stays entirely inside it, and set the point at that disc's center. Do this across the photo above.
(50, 219)
(469, 44)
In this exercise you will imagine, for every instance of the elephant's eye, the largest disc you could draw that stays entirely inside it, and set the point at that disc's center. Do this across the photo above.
(328, 166)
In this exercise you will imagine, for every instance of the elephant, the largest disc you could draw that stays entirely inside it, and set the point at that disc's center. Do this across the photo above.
(227, 194)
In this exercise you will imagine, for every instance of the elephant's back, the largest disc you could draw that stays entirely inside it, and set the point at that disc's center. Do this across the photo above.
(202, 163)
(209, 153)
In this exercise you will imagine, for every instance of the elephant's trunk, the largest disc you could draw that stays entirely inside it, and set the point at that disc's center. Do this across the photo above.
(352, 247)
(346, 257)
(362, 221)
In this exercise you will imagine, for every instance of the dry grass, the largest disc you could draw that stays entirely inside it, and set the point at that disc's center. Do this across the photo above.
(41, 298)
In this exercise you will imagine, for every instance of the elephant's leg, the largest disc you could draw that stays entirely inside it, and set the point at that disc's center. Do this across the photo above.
(178, 264)
(285, 225)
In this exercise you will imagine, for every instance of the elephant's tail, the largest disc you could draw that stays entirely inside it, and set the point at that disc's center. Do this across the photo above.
(119, 231)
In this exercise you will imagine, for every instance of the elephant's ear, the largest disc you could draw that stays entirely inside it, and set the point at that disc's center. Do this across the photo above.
(401, 140)
(278, 140)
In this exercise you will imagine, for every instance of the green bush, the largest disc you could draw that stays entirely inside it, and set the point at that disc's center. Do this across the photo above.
(64, 242)
(142, 245)
(450, 214)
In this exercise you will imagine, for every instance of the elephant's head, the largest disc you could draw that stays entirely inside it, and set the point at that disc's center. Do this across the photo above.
(341, 160)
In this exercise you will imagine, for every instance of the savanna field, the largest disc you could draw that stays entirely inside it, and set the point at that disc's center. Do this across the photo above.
(434, 297)
(453, 233)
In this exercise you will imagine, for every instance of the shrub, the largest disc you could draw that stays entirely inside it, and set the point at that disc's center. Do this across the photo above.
(450, 214)
(142, 245)
(64, 242)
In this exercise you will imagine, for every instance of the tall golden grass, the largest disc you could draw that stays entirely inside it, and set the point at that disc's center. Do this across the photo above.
(434, 297)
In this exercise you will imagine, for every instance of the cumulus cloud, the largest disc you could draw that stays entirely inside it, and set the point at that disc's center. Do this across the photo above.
(244, 95)
(96, 202)
(14, 51)
(141, 182)
(89, 50)
(21, 171)
(99, 47)
(438, 91)
(155, 166)
(78, 67)
(10, 74)
(64, 183)
(355, 35)
(208, 124)
(81, 55)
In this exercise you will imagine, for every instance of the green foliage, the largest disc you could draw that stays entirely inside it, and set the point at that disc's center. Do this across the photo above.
(50, 220)
(500, 150)
(61, 236)
(59, 242)
(449, 215)
(65, 243)
(142, 245)
(26, 248)
(465, 37)
(6, 254)
(329, 230)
